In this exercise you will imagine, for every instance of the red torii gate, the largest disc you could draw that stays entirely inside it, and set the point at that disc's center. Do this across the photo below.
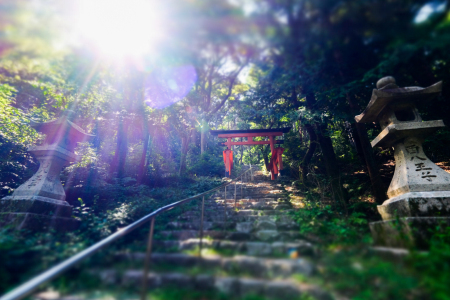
(276, 162)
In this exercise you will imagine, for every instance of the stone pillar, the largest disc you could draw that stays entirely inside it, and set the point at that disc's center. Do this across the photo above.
(40, 203)
(419, 193)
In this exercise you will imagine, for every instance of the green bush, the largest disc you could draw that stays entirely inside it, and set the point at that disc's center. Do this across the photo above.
(349, 267)
(434, 266)
(24, 254)
(207, 165)
(332, 226)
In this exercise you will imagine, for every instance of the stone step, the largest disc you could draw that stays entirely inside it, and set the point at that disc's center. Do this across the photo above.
(235, 287)
(259, 223)
(245, 200)
(263, 184)
(216, 213)
(218, 196)
(254, 205)
(248, 201)
(214, 234)
(233, 218)
(264, 249)
(230, 202)
(252, 188)
(279, 219)
(255, 187)
(195, 224)
(252, 212)
(261, 235)
(239, 264)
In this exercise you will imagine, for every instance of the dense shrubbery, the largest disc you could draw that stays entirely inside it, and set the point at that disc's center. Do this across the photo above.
(311, 67)
(207, 165)
(24, 254)
(348, 266)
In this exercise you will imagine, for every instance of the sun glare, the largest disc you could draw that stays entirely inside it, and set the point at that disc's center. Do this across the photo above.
(118, 28)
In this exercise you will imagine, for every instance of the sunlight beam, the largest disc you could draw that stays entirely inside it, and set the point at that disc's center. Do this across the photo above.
(117, 28)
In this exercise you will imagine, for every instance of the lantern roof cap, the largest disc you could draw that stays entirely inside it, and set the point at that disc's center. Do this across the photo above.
(64, 122)
(383, 97)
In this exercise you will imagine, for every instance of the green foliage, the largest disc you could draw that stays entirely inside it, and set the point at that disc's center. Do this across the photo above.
(318, 222)
(15, 136)
(368, 277)
(169, 293)
(434, 265)
(173, 294)
(26, 253)
(348, 267)
(207, 165)
(14, 123)
(310, 64)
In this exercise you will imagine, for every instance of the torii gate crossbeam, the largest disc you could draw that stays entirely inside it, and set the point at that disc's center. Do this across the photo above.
(276, 162)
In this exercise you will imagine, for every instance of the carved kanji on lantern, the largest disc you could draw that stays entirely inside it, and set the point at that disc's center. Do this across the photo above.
(419, 193)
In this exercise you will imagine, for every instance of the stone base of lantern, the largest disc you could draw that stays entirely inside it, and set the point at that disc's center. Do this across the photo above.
(36, 213)
(409, 232)
(37, 222)
(416, 204)
(409, 220)
(36, 205)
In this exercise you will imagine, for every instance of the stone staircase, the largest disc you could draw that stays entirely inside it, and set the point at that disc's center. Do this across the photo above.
(250, 247)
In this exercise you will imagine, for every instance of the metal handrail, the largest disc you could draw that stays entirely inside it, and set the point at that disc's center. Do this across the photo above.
(33, 284)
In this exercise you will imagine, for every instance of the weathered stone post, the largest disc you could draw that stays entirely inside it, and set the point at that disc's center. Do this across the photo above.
(419, 193)
(40, 203)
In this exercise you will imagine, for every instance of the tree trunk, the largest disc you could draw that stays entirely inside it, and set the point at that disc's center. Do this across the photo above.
(242, 153)
(378, 188)
(149, 152)
(304, 165)
(265, 157)
(123, 146)
(184, 150)
(329, 157)
(356, 142)
(96, 140)
(193, 137)
(331, 165)
(142, 170)
(202, 141)
(300, 132)
(118, 163)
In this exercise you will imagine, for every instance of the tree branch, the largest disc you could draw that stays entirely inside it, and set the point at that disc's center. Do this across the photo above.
(230, 88)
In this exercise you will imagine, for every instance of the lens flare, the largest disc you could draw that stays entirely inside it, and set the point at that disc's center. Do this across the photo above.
(165, 86)
(427, 10)
(118, 28)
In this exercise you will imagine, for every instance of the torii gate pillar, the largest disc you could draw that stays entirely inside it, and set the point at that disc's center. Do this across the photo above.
(275, 164)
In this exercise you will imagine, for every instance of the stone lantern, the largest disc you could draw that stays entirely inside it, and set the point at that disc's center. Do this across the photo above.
(419, 193)
(40, 202)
